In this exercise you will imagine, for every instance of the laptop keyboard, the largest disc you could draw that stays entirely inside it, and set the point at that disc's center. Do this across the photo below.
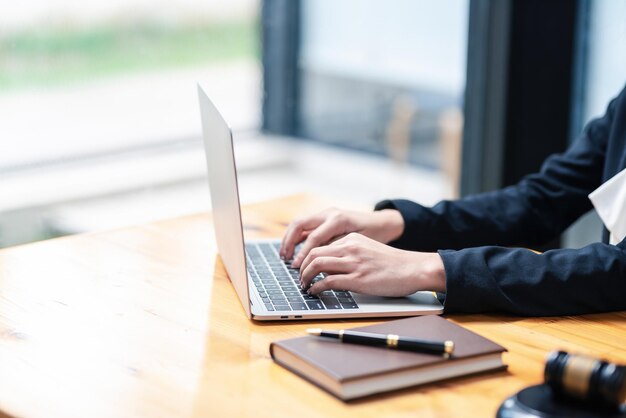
(278, 284)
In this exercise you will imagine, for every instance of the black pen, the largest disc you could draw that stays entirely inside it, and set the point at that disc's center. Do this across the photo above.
(386, 340)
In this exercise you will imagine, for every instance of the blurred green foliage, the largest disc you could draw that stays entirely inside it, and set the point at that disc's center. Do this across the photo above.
(51, 57)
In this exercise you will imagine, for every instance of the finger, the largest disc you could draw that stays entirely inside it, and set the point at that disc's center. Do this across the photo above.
(320, 236)
(335, 282)
(294, 234)
(287, 237)
(326, 265)
(325, 251)
(297, 231)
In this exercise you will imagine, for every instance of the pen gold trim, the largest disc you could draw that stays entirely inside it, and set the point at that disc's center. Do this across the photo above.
(392, 340)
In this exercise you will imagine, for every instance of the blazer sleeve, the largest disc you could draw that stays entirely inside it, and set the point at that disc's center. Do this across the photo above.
(520, 281)
(532, 212)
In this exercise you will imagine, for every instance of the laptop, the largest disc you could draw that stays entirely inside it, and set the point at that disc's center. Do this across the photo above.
(266, 285)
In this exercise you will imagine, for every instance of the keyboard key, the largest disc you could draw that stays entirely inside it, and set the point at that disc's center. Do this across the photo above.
(342, 294)
(352, 305)
(277, 297)
(269, 307)
(262, 294)
(292, 293)
(332, 305)
(298, 306)
(346, 300)
(294, 299)
(282, 307)
(274, 292)
(310, 297)
(314, 305)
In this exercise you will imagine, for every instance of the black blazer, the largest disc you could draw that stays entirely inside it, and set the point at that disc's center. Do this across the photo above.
(475, 235)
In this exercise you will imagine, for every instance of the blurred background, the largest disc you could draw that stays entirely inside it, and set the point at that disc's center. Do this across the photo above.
(354, 100)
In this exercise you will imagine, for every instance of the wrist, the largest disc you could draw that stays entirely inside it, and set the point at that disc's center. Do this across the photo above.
(391, 225)
(428, 272)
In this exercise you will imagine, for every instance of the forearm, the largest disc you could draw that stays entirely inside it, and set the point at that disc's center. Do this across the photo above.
(526, 215)
(519, 281)
(497, 218)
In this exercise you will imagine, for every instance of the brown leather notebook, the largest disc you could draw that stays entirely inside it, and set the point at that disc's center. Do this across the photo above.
(351, 371)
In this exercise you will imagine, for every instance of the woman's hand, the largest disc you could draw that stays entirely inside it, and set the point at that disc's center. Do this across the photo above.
(331, 224)
(363, 265)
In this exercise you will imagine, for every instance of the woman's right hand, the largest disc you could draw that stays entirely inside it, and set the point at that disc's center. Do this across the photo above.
(331, 224)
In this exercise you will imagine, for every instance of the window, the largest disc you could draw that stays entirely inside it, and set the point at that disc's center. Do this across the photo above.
(606, 62)
(99, 110)
(604, 76)
(98, 78)
(384, 77)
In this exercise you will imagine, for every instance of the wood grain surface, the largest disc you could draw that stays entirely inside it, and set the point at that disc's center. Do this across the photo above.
(143, 321)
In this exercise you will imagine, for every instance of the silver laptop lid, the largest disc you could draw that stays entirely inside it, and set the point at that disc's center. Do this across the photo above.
(218, 147)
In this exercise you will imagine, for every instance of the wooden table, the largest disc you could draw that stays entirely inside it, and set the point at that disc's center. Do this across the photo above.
(143, 321)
